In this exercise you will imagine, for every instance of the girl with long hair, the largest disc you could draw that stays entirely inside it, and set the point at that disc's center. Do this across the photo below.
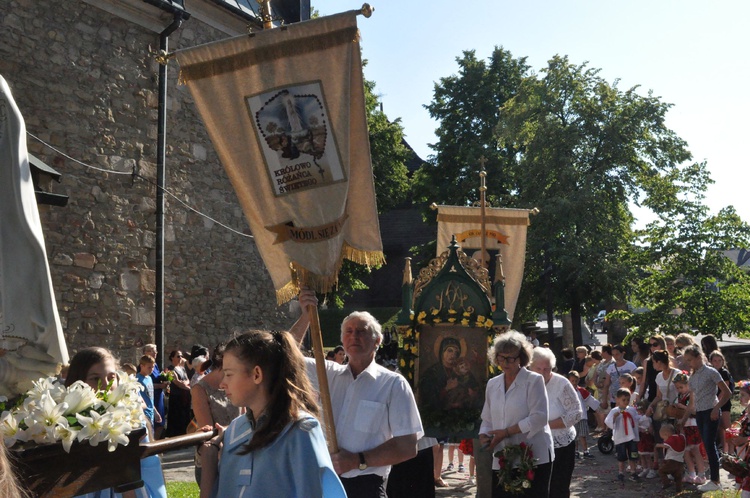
(98, 368)
(278, 447)
(707, 407)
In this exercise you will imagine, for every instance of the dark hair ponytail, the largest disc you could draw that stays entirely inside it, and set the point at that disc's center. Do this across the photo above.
(285, 377)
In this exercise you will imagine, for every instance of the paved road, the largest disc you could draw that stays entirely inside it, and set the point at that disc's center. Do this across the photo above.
(592, 478)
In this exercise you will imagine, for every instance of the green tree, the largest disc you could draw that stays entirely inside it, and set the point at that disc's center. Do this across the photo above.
(565, 141)
(687, 282)
(389, 152)
(467, 105)
(390, 155)
(587, 149)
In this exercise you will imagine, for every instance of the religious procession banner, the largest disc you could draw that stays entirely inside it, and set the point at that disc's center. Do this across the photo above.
(505, 232)
(285, 110)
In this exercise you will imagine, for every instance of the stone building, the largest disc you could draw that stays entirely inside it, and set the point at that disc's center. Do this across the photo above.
(83, 74)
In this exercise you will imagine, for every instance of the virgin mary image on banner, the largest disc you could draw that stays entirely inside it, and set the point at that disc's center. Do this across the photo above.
(452, 380)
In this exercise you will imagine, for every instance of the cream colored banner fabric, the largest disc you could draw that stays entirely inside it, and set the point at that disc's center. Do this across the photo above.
(285, 110)
(505, 231)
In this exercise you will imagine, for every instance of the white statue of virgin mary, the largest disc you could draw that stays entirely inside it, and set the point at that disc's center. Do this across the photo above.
(32, 344)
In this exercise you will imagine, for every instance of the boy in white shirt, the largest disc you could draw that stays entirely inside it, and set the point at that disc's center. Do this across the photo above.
(674, 456)
(623, 420)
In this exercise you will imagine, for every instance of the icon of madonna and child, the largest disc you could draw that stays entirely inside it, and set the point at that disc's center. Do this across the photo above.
(454, 378)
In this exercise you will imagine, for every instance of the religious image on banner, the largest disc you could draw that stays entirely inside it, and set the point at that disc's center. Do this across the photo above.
(285, 110)
(505, 234)
(452, 368)
(293, 129)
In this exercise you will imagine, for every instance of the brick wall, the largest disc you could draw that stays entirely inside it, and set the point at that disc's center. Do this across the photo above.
(86, 83)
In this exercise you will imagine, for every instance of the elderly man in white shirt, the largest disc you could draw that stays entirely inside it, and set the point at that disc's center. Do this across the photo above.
(564, 411)
(376, 416)
(516, 411)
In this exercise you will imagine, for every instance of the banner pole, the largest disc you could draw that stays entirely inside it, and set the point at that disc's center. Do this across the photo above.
(320, 367)
(482, 204)
(265, 14)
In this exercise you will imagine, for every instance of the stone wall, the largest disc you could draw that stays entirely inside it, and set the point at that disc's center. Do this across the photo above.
(86, 83)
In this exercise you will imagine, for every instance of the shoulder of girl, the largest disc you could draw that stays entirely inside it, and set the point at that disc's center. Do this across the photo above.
(308, 424)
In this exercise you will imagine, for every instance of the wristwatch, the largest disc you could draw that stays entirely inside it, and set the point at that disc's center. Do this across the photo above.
(362, 463)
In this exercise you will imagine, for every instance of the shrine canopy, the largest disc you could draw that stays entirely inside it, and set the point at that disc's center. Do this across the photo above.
(444, 353)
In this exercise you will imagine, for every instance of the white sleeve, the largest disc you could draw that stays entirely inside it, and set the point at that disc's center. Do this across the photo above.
(538, 404)
(571, 405)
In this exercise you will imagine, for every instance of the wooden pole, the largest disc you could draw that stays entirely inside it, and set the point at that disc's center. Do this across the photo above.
(320, 367)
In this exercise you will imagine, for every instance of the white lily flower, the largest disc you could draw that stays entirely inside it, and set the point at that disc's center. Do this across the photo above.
(11, 429)
(93, 428)
(117, 433)
(80, 397)
(50, 412)
(65, 434)
(48, 409)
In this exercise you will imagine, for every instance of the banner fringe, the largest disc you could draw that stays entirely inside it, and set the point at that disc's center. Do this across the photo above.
(302, 277)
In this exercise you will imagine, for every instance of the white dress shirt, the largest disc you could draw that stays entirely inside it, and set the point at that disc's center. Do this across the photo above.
(524, 403)
(368, 411)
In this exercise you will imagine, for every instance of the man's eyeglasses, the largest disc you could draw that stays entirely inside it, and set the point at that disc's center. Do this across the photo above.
(507, 359)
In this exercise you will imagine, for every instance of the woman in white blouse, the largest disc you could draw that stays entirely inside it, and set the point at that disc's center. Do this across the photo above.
(564, 411)
(516, 410)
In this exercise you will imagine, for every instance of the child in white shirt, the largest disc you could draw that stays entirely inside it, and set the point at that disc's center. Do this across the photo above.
(646, 440)
(587, 401)
(623, 420)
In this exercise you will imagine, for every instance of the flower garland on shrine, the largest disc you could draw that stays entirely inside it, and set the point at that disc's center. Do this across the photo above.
(449, 420)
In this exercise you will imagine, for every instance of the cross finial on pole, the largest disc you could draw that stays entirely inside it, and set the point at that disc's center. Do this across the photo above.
(482, 161)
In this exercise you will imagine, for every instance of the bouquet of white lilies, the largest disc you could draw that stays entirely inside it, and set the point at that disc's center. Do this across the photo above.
(50, 412)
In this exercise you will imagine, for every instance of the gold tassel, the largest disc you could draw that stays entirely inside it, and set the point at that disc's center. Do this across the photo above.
(302, 277)
(367, 258)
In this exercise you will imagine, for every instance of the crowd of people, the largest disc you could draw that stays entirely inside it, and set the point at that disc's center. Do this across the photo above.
(666, 410)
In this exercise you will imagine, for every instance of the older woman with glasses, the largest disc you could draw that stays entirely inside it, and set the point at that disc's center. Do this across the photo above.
(516, 410)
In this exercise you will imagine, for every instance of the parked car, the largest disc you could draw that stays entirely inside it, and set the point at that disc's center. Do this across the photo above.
(600, 323)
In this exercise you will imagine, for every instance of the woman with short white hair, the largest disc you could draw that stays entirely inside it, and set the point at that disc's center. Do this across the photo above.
(564, 411)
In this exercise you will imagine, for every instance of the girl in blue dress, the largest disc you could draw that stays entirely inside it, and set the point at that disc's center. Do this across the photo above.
(277, 448)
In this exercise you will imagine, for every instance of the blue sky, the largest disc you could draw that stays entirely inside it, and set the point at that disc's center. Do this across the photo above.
(693, 54)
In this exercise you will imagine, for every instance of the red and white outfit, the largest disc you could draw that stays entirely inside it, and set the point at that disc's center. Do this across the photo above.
(690, 429)
(625, 428)
(676, 445)
(646, 435)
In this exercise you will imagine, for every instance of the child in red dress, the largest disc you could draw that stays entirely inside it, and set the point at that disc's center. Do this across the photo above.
(694, 462)
(646, 440)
